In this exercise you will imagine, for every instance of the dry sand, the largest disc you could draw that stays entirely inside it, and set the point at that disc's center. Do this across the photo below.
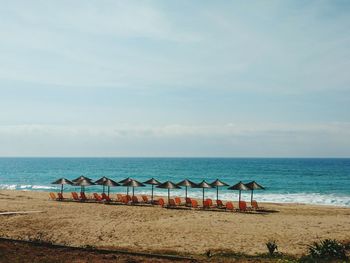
(155, 229)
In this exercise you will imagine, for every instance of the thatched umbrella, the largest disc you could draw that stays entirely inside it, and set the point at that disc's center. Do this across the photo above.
(81, 178)
(217, 183)
(254, 186)
(124, 181)
(203, 185)
(82, 183)
(62, 181)
(240, 187)
(168, 185)
(101, 182)
(109, 183)
(186, 183)
(133, 183)
(152, 182)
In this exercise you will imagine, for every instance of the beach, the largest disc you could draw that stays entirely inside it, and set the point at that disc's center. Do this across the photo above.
(160, 230)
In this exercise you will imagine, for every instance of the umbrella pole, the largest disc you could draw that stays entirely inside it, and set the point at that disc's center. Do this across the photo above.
(186, 192)
(108, 190)
(217, 193)
(133, 191)
(62, 189)
(203, 197)
(127, 190)
(251, 198)
(103, 190)
(239, 195)
(152, 194)
(168, 195)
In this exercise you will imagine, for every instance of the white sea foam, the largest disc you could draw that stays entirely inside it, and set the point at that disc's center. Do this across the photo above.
(25, 187)
(302, 198)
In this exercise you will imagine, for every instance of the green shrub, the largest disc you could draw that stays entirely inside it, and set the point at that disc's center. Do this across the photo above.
(272, 247)
(327, 250)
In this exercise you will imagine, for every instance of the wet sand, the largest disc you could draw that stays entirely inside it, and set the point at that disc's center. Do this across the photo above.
(156, 229)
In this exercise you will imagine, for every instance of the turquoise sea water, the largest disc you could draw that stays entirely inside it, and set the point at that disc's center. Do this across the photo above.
(316, 181)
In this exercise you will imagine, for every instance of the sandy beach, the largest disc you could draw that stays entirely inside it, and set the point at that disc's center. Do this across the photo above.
(156, 229)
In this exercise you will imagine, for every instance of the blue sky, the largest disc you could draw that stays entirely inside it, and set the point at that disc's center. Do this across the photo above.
(175, 78)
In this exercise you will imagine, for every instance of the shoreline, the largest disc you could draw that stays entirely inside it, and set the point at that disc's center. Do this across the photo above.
(155, 229)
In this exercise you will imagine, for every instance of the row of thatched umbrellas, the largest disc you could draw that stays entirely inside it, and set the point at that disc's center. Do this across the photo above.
(83, 181)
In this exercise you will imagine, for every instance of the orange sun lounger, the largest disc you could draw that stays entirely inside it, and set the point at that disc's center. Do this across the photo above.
(255, 206)
(53, 196)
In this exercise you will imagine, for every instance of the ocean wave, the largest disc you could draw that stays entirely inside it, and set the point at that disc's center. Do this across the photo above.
(25, 187)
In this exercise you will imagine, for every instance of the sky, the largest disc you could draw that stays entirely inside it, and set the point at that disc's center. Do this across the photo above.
(175, 78)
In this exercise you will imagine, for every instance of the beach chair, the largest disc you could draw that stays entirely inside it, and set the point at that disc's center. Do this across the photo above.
(243, 207)
(53, 196)
(188, 201)
(75, 196)
(161, 202)
(135, 200)
(219, 204)
(145, 199)
(97, 197)
(206, 204)
(209, 201)
(119, 198)
(125, 200)
(128, 197)
(83, 197)
(178, 200)
(172, 203)
(194, 203)
(106, 197)
(255, 206)
(229, 206)
(60, 196)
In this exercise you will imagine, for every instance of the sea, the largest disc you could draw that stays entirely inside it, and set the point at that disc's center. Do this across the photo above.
(286, 180)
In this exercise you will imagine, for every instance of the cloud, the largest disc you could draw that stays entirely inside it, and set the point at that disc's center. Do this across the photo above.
(268, 139)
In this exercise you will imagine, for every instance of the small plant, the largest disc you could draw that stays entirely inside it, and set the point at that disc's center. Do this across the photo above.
(272, 247)
(328, 249)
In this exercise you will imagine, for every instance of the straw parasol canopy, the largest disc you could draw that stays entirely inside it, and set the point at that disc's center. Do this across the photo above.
(81, 178)
(101, 181)
(217, 183)
(254, 186)
(82, 183)
(240, 187)
(108, 182)
(186, 183)
(168, 185)
(152, 182)
(62, 181)
(124, 181)
(133, 183)
(203, 185)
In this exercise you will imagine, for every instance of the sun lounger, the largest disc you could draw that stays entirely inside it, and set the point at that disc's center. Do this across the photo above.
(172, 203)
(188, 201)
(83, 197)
(75, 196)
(60, 197)
(161, 202)
(53, 196)
(177, 200)
(125, 200)
(206, 204)
(194, 203)
(119, 198)
(145, 199)
(229, 206)
(106, 197)
(243, 207)
(128, 197)
(210, 202)
(255, 206)
(219, 204)
(135, 200)
(97, 197)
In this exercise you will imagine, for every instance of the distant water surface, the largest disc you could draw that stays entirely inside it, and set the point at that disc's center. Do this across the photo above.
(314, 181)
